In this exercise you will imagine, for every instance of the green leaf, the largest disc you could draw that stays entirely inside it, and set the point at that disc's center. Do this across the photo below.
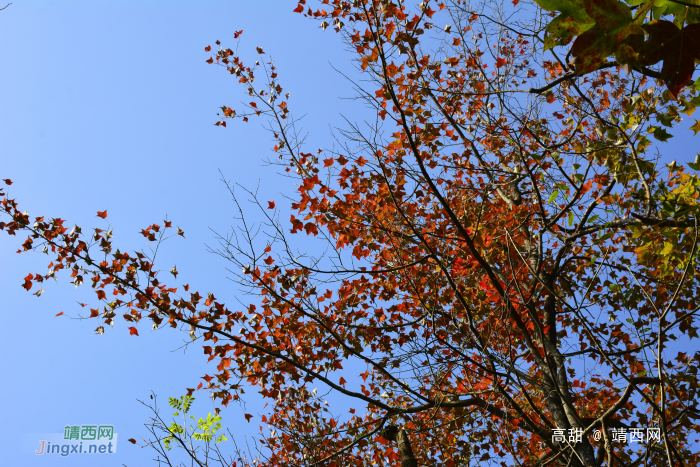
(613, 26)
(659, 9)
(553, 196)
(662, 135)
(571, 218)
(643, 143)
(573, 21)
(592, 219)
(665, 119)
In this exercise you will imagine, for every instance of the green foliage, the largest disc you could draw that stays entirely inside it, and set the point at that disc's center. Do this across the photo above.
(182, 404)
(572, 22)
(637, 33)
(208, 427)
(659, 133)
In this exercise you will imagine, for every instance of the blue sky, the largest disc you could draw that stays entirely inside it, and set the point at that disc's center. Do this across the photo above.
(110, 105)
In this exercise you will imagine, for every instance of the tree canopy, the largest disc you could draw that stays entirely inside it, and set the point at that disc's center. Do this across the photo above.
(506, 270)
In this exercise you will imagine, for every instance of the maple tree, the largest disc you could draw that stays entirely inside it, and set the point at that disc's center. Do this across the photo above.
(510, 273)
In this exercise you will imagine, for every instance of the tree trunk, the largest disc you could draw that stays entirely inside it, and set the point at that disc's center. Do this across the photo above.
(393, 433)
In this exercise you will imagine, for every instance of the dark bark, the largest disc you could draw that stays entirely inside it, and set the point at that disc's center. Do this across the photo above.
(398, 435)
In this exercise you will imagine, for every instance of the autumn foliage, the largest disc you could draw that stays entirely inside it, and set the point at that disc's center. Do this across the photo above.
(506, 258)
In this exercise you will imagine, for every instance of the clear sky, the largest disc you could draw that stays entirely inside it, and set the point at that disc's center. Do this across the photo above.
(110, 105)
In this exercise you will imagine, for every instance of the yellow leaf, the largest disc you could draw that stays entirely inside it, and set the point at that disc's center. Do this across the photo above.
(696, 126)
(688, 108)
(638, 231)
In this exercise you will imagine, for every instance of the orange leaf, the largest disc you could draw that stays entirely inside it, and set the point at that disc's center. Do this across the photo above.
(311, 228)
(133, 331)
(59, 314)
(248, 417)
(207, 48)
(270, 205)
(132, 440)
(102, 215)
(28, 281)
(587, 186)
